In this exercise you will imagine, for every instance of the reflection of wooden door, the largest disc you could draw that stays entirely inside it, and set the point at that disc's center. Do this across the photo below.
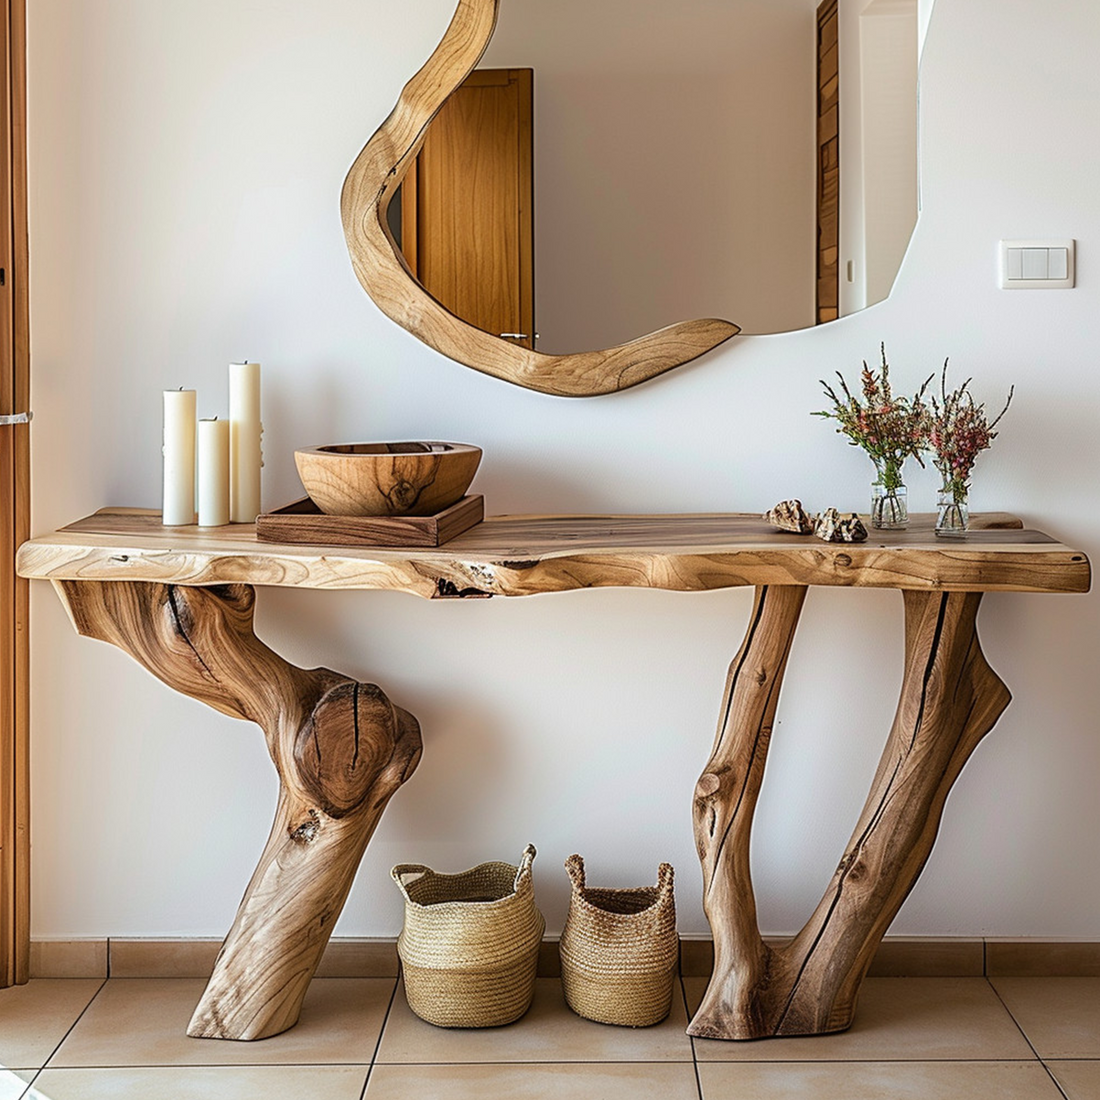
(466, 210)
(828, 164)
(14, 505)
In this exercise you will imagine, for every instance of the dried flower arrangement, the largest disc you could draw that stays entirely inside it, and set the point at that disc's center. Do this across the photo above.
(890, 428)
(958, 431)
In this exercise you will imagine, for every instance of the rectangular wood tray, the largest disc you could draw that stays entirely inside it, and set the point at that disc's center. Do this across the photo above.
(303, 522)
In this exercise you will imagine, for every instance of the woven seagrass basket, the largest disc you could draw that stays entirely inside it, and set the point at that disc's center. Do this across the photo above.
(619, 950)
(469, 948)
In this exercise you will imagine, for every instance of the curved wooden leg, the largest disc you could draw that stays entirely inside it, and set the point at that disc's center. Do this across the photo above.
(341, 750)
(950, 698)
(725, 799)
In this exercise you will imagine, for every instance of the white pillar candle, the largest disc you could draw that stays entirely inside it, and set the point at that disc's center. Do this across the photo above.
(179, 458)
(245, 430)
(213, 472)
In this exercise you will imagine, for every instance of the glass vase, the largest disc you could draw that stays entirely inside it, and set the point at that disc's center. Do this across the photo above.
(952, 513)
(889, 505)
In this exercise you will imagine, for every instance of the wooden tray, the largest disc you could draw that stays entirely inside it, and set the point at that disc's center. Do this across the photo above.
(304, 522)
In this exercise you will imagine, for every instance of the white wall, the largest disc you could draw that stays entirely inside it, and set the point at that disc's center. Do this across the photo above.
(186, 162)
(674, 163)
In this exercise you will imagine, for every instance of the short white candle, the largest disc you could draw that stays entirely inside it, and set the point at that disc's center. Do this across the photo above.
(213, 472)
(179, 458)
(245, 457)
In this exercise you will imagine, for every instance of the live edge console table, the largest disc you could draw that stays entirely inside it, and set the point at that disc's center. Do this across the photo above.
(180, 601)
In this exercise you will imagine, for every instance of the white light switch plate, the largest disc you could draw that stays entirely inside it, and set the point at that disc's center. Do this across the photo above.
(1037, 264)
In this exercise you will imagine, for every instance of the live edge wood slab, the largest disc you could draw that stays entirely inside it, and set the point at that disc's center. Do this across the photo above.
(180, 601)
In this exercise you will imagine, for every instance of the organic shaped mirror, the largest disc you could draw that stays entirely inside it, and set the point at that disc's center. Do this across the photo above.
(704, 135)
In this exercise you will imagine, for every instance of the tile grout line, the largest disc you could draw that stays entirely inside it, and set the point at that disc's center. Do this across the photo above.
(293, 1064)
(69, 1030)
(403, 1065)
(691, 1038)
(381, 1032)
(565, 1062)
(1046, 1068)
(30, 1084)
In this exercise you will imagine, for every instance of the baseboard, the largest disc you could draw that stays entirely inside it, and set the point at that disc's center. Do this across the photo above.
(897, 956)
(68, 959)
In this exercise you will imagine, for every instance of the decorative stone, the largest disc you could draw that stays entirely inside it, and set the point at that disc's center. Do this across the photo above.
(789, 515)
(830, 526)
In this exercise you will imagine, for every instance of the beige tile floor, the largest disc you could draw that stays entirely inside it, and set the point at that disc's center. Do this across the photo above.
(913, 1039)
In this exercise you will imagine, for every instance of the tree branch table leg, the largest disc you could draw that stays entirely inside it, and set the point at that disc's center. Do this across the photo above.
(950, 698)
(341, 749)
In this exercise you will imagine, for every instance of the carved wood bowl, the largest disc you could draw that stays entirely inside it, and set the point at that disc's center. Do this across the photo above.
(387, 479)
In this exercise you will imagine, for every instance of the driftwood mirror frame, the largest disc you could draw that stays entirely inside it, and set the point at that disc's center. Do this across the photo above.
(381, 269)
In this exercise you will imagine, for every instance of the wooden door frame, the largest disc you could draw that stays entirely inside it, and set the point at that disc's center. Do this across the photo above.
(15, 470)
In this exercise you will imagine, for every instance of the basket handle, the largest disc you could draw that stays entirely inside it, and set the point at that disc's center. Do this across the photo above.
(401, 870)
(665, 876)
(574, 867)
(523, 871)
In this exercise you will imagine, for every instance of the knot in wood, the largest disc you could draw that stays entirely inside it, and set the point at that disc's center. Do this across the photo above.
(843, 560)
(857, 870)
(344, 745)
(852, 867)
(307, 832)
(404, 495)
(708, 784)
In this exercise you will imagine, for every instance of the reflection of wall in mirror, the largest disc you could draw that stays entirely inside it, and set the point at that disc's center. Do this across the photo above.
(879, 49)
(924, 18)
(674, 163)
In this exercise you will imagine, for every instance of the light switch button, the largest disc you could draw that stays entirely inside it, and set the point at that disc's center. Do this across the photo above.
(1015, 264)
(1035, 263)
(1058, 264)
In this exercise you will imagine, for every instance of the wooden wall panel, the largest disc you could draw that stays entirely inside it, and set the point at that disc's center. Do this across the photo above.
(828, 164)
(15, 521)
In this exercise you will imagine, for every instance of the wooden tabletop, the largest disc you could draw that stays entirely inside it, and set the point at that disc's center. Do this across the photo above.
(523, 555)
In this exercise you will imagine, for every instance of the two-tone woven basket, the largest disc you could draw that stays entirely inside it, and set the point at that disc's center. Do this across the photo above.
(469, 948)
(619, 950)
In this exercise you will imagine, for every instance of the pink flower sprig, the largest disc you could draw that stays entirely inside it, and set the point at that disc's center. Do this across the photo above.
(958, 431)
(889, 428)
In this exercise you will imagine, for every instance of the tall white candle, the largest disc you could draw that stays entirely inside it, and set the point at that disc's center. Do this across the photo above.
(245, 430)
(179, 458)
(213, 472)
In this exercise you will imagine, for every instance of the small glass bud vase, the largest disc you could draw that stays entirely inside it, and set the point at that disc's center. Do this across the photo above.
(889, 502)
(952, 513)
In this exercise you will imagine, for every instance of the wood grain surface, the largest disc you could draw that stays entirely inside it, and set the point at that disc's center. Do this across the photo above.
(341, 749)
(524, 555)
(303, 523)
(467, 210)
(384, 273)
(387, 479)
(15, 475)
(828, 163)
(950, 698)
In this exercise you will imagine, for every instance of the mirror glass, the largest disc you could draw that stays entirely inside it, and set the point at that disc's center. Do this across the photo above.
(754, 160)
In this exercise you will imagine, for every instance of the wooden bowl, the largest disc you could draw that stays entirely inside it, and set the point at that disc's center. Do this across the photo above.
(387, 479)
